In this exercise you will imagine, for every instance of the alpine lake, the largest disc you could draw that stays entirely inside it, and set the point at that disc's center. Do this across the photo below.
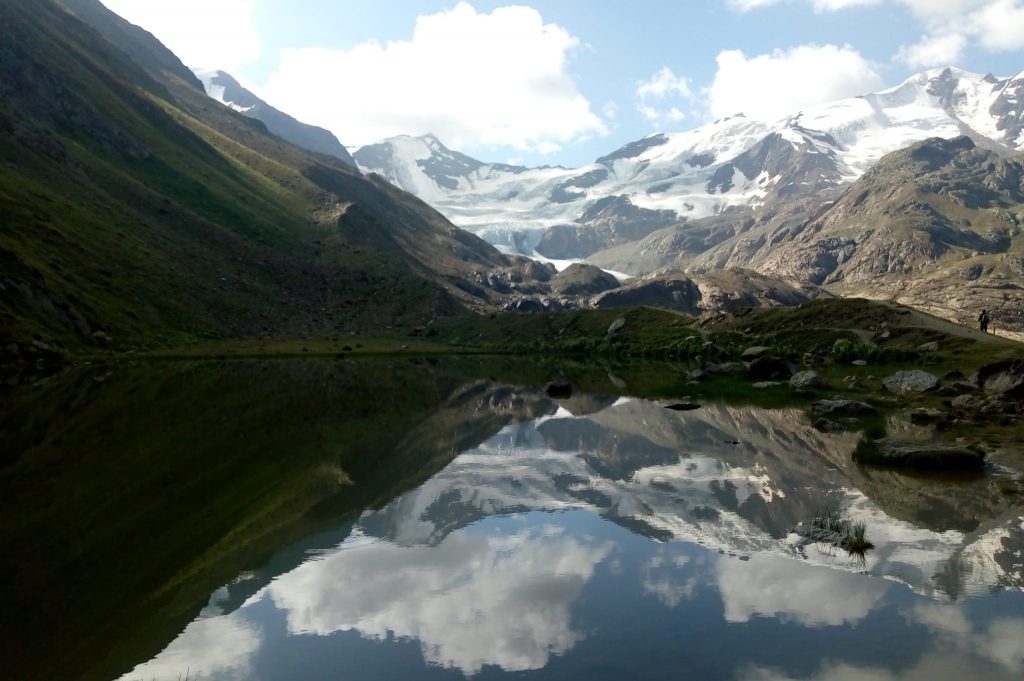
(422, 518)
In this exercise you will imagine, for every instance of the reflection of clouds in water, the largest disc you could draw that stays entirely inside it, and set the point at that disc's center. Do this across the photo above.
(814, 596)
(935, 667)
(992, 652)
(471, 601)
(1001, 640)
(216, 646)
(663, 578)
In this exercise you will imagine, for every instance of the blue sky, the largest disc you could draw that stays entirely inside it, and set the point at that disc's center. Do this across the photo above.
(565, 81)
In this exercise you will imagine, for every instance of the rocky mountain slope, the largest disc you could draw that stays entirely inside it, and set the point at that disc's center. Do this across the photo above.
(138, 211)
(667, 178)
(937, 225)
(229, 92)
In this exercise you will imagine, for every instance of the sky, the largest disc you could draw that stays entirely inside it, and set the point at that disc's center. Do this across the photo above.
(565, 81)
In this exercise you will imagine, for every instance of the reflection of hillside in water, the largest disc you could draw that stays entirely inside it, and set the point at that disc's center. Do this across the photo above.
(733, 479)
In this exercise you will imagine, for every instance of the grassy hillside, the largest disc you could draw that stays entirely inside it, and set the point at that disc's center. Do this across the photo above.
(135, 206)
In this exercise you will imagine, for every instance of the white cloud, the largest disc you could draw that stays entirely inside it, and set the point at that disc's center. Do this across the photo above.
(470, 601)
(747, 5)
(471, 78)
(836, 5)
(654, 97)
(772, 586)
(933, 51)
(773, 85)
(999, 25)
(218, 34)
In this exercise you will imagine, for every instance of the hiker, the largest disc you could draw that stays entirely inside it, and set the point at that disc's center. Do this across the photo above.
(983, 320)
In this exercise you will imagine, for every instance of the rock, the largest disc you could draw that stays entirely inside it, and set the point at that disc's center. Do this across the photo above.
(807, 379)
(579, 279)
(947, 391)
(911, 382)
(754, 352)
(697, 375)
(732, 368)
(967, 402)
(923, 416)
(760, 385)
(829, 426)
(616, 326)
(932, 346)
(965, 387)
(682, 406)
(834, 408)
(40, 345)
(1005, 378)
(932, 455)
(999, 407)
(954, 375)
(859, 362)
(525, 305)
(770, 369)
(102, 338)
(559, 390)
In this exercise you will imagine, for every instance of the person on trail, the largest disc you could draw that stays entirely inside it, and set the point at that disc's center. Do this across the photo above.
(983, 320)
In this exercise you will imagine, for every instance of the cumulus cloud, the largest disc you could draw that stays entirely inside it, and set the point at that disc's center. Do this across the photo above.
(770, 86)
(219, 34)
(999, 25)
(655, 97)
(470, 601)
(471, 78)
(933, 50)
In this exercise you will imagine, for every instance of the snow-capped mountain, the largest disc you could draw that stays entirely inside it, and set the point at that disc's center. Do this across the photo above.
(668, 177)
(228, 91)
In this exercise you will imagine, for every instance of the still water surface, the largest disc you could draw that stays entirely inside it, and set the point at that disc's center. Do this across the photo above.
(603, 537)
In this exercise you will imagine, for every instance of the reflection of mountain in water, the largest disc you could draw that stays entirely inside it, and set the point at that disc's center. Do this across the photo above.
(733, 479)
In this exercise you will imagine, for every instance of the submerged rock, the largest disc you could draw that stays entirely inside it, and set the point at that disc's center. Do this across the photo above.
(930, 455)
(683, 406)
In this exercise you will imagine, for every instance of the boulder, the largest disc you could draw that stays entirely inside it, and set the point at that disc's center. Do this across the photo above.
(834, 408)
(732, 368)
(770, 369)
(616, 326)
(102, 338)
(807, 379)
(754, 352)
(859, 362)
(967, 402)
(932, 346)
(930, 455)
(697, 375)
(829, 426)
(924, 416)
(911, 382)
(559, 390)
(1005, 378)
(765, 384)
